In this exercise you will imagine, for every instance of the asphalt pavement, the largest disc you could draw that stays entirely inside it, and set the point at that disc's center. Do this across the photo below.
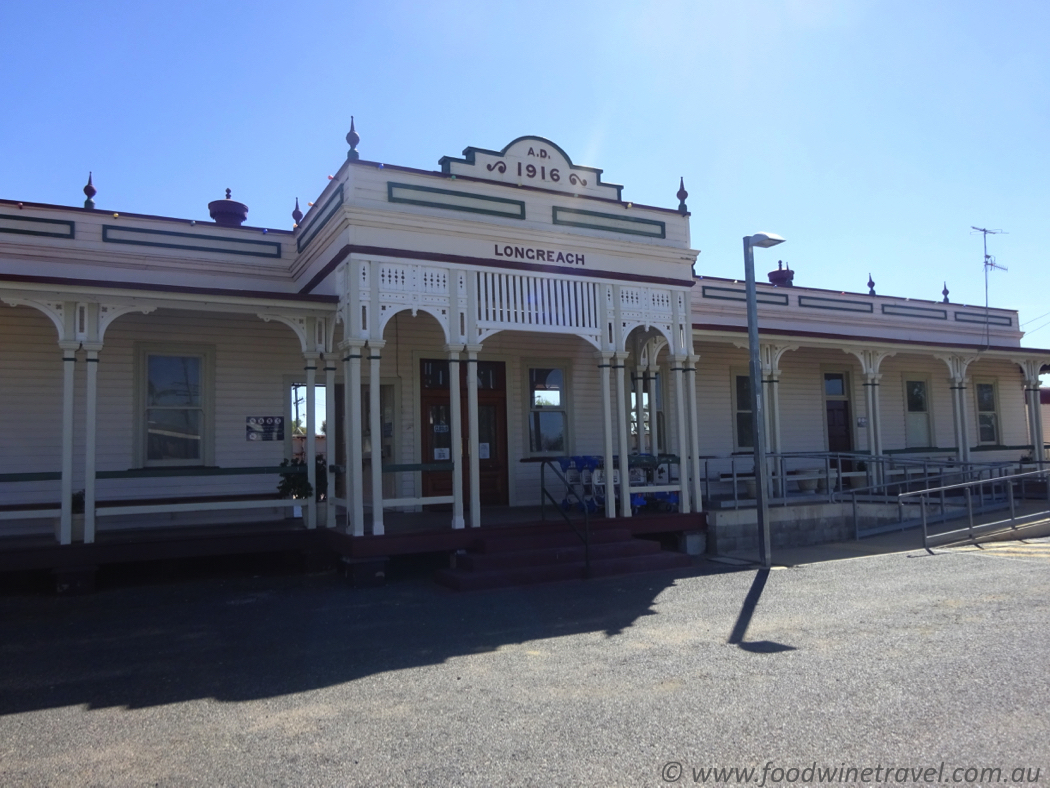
(904, 660)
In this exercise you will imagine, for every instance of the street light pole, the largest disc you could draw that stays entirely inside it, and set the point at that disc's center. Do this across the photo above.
(758, 418)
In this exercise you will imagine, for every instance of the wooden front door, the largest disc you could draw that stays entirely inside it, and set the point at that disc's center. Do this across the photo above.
(436, 420)
(840, 438)
(837, 413)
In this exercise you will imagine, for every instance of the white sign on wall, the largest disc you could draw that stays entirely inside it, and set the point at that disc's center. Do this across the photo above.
(531, 161)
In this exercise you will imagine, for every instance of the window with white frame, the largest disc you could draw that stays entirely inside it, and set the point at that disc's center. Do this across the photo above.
(987, 411)
(548, 412)
(743, 428)
(176, 420)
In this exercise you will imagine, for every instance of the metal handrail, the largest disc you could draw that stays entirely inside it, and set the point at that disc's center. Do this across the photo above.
(585, 537)
(885, 477)
(966, 486)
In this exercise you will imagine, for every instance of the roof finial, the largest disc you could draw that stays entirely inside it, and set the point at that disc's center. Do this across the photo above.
(682, 194)
(90, 191)
(352, 138)
(297, 215)
(944, 293)
(871, 285)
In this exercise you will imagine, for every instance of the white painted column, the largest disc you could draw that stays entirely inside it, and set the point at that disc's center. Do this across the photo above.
(607, 434)
(772, 383)
(1029, 408)
(90, 440)
(870, 360)
(694, 433)
(1030, 369)
(473, 434)
(654, 429)
(375, 424)
(964, 421)
(876, 403)
(69, 359)
(869, 403)
(1040, 438)
(639, 409)
(960, 452)
(456, 412)
(310, 510)
(353, 437)
(330, 437)
(621, 413)
(683, 443)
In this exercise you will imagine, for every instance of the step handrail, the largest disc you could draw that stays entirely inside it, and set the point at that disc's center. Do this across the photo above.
(585, 537)
(1009, 483)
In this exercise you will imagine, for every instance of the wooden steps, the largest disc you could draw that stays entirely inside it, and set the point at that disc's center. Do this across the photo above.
(545, 557)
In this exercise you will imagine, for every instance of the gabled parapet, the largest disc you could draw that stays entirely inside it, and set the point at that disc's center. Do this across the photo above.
(531, 161)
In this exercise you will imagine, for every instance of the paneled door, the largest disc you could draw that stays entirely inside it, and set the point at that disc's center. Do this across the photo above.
(436, 420)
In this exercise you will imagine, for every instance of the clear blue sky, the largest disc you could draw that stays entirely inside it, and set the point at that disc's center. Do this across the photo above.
(871, 135)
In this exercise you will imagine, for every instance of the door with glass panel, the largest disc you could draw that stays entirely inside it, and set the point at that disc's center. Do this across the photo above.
(436, 420)
(917, 413)
(987, 412)
(837, 414)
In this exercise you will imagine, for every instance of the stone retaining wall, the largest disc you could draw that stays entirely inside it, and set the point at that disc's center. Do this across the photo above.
(729, 530)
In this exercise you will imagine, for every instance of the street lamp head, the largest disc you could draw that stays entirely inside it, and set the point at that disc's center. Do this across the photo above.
(765, 240)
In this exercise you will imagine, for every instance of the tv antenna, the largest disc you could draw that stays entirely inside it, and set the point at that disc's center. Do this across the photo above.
(989, 265)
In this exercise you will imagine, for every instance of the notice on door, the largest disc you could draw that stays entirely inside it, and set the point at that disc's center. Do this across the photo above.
(483, 451)
(442, 454)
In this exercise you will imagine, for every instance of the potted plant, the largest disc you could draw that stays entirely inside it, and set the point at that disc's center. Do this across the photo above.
(321, 479)
(857, 482)
(321, 473)
(809, 483)
(296, 484)
(76, 501)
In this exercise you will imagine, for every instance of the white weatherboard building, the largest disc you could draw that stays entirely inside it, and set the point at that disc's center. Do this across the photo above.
(466, 324)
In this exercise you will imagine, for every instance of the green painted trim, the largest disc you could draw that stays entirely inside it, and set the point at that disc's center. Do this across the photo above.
(45, 476)
(199, 470)
(741, 295)
(272, 245)
(953, 450)
(577, 212)
(419, 466)
(391, 185)
(921, 450)
(316, 226)
(834, 304)
(14, 217)
(914, 311)
(990, 320)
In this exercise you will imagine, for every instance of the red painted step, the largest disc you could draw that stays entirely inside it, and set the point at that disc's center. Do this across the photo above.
(499, 562)
(540, 540)
(476, 562)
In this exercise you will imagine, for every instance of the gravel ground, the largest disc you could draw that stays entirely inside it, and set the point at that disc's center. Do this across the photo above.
(903, 660)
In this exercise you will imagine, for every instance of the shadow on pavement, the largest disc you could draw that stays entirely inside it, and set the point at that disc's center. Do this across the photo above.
(248, 637)
(747, 612)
